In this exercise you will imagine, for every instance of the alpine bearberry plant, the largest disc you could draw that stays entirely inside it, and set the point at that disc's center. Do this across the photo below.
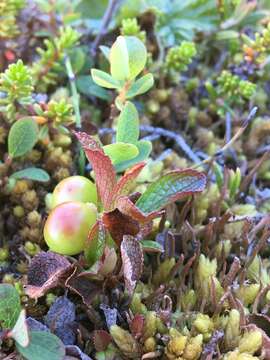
(134, 198)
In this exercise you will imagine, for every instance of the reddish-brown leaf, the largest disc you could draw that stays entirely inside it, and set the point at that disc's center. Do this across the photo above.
(102, 166)
(85, 285)
(119, 224)
(47, 270)
(101, 339)
(136, 325)
(132, 258)
(127, 207)
(126, 182)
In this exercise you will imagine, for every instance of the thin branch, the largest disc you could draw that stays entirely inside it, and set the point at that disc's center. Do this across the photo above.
(104, 25)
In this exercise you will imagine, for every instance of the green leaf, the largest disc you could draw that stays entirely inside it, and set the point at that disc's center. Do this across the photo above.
(43, 345)
(20, 331)
(105, 80)
(10, 306)
(95, 243)
(32, 173)
(128, 124)
(88, 87)
(120, 152)
(137, 56)
(119, 59)
(22, 137)
(151, 246)
(144, 147)
(140, 86)
(169, 188)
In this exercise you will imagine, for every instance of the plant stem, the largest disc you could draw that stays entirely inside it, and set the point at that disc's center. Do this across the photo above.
(104, 25)
(74, 92)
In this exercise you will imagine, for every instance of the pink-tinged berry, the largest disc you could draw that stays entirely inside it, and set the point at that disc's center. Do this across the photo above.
(68, 225)
(74, 188)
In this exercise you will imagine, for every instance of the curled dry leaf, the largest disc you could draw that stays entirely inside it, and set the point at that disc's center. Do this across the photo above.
(119, 224)
(47, 270)
(84, 285)
(132, 257)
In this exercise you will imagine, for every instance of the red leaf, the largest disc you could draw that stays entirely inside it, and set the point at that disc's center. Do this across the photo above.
(47, 270)
(136, 326)
(119, 224)
(101, 340)
(102, 166)
(127, 207)
(126, 182)
(170, 188)
(132, 257)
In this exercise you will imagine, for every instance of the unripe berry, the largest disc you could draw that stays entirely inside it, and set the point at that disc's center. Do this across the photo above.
(68, 225)
(74, 188)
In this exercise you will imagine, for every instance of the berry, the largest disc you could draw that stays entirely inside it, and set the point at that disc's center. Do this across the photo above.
(68, 225)
(74, 188)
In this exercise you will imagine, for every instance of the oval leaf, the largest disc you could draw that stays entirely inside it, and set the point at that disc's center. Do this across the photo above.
(120, 152)
(144, 147)
(20, 331)
(152, 246)
(171, 187)
(34, 174)
(22, 137)
(128, 124)
(140, 86)
(119, 59)
(137, 55)
(43, 345)
(103, 79)
(10, 306)
(132, 257)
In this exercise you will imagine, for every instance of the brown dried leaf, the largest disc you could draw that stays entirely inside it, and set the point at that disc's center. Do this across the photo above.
(85, 285)
(119, 224)
(132, 257)
(47, 270)
(102, 166)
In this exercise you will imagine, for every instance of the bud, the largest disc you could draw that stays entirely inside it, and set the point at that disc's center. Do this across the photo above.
(194, 348)
(204, 325)
(188, 300)
(250, 342)
(125, 341)
(232, 331)
(150, 344)
(176, 346)
(150, 325)
(163, 271)
(247, 293)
